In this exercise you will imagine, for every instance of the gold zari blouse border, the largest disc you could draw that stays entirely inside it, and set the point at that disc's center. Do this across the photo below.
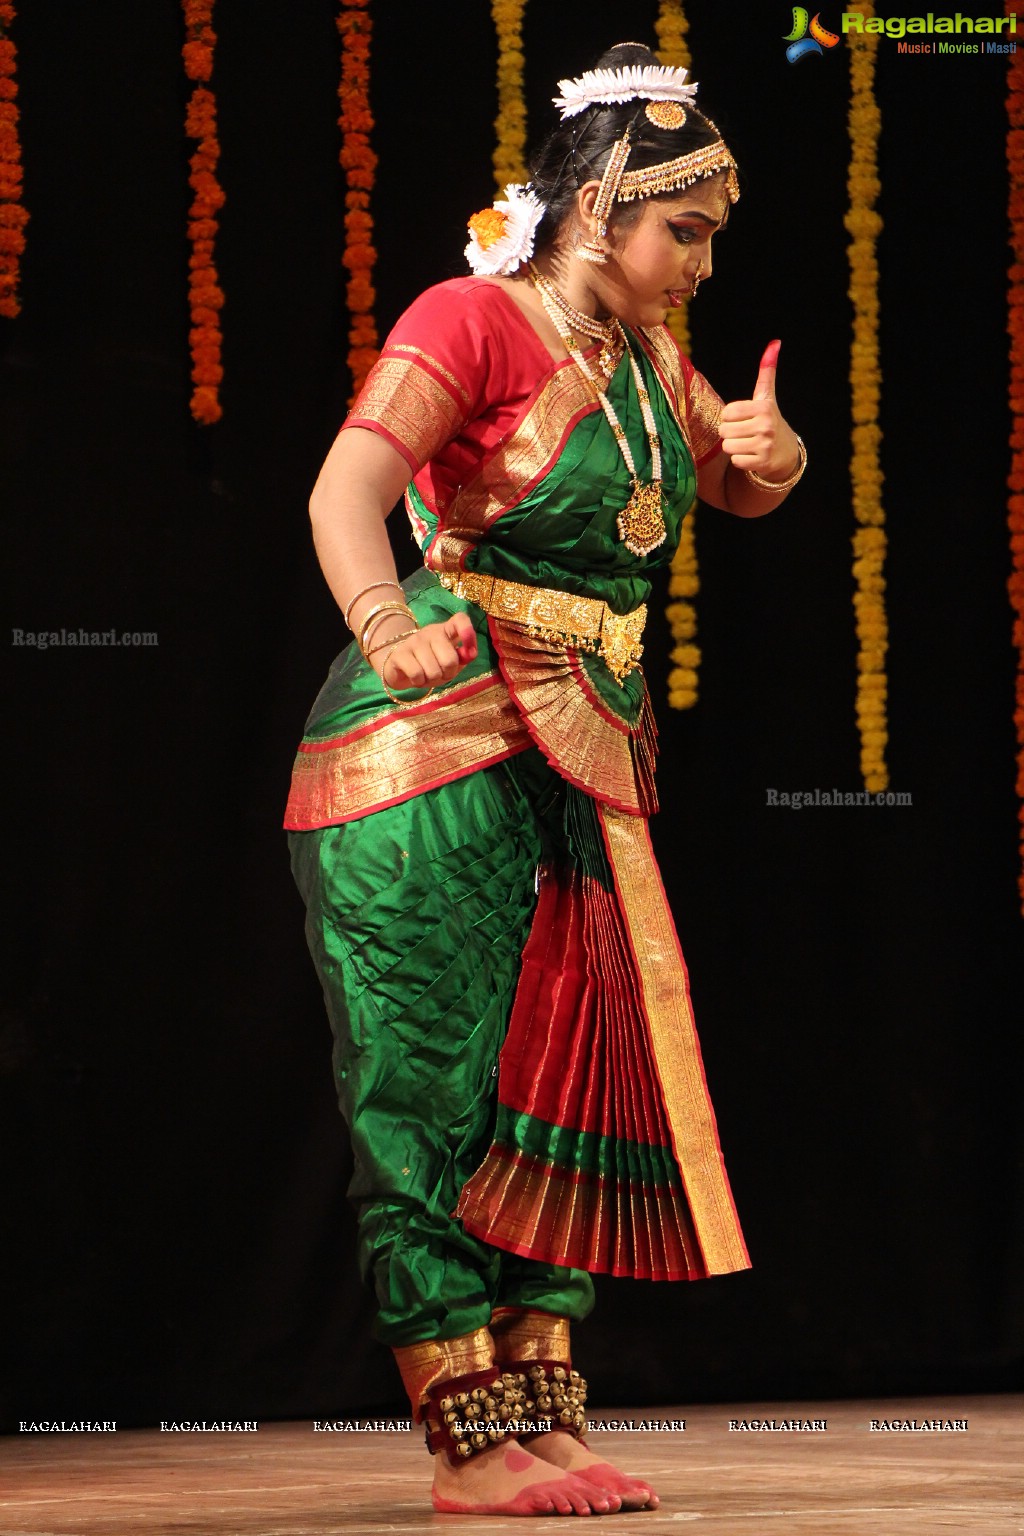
(404, 398)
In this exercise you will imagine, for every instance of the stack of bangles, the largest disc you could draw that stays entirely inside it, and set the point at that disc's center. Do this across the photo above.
(372, 620)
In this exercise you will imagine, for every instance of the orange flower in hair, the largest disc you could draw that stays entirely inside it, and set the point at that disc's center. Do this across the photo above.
(488, 226)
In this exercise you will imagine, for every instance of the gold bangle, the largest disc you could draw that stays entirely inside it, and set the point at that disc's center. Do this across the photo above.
(780, 485)
(393, 696)
(382, 608)
(392, 640)
(371, 628)
(362, 593)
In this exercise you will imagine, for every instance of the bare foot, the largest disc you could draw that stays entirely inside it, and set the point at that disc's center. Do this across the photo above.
(506, 1480)
(561, 1449)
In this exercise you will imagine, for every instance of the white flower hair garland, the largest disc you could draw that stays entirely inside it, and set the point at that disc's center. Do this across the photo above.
(501, 237)
(611, 87)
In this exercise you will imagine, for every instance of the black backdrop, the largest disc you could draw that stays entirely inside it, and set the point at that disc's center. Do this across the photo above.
(176, 1170)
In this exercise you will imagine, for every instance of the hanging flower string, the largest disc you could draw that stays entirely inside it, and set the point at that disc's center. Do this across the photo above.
(206, 298)
(13, 216)
(670, 29)
(510, 123)
(684, 580)
(869, 543)
(359, 164)
(1015, 326)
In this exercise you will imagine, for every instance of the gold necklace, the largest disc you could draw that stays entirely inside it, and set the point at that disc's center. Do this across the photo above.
(608, 332)
(641, 523)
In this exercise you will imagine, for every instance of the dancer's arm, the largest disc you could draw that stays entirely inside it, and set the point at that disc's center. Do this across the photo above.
(362, 478)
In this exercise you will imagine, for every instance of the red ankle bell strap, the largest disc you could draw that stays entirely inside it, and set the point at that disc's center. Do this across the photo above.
(469, 1414)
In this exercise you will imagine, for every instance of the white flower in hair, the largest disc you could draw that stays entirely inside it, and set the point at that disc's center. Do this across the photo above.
(633, 82)
(501, 237)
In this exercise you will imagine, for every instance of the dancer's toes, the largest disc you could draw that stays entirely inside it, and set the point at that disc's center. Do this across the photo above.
(631, 1493)
(588, 1500)
(562, 1449)
(507, 1480)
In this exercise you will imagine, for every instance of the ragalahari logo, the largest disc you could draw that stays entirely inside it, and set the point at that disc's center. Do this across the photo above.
(800, 44)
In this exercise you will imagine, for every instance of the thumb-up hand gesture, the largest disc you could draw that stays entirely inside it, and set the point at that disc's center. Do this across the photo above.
(753, 432)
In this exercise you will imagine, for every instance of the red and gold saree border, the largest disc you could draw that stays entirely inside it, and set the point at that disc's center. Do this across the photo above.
(583, 1167)
(666, 359)
(665, 996)
(516, 464)
(696, 407)
(548, 1214)
(581, 739)
(403, 753)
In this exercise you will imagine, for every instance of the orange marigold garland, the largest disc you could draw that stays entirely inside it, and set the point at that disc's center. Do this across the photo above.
(510, 123)
(1015, 326)
(206, 298)
(359, 164)
(869, 543)
(13, 217)
(684, 580)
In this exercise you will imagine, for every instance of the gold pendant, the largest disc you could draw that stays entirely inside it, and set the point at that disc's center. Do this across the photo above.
(641, 523)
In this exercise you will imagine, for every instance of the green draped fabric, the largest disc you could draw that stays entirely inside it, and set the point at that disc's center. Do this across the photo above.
(416, 920)
(417, 914)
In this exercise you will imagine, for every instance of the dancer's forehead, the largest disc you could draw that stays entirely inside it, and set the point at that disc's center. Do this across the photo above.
(705, 202)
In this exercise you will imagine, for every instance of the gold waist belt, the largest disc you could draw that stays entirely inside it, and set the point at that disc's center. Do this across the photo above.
(584, 623)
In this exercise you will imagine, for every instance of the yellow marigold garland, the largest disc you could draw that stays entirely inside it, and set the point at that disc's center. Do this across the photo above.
(510, 123)
(684, 580)
(359, 164)
(206, 298)
(869, 543)
(13, 217)
(1015, 326)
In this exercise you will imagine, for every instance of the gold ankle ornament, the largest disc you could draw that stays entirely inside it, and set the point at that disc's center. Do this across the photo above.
(470, 1414)
(557, 1396)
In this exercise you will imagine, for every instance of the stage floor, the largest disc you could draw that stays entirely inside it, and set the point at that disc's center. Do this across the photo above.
(290, 1479)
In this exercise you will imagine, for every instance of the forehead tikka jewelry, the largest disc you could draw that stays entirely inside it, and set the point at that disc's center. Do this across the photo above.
(665, 114)
(667, 95)
(621, 186)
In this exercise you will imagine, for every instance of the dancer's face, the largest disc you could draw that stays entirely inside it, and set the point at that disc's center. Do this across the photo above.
(655, 254)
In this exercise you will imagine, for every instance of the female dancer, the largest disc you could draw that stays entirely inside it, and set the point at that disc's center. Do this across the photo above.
(514, 1046)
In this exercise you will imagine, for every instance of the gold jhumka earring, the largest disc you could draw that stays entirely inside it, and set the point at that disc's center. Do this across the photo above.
(589, 250)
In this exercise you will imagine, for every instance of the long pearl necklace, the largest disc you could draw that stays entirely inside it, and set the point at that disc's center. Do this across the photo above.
(641, 523)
